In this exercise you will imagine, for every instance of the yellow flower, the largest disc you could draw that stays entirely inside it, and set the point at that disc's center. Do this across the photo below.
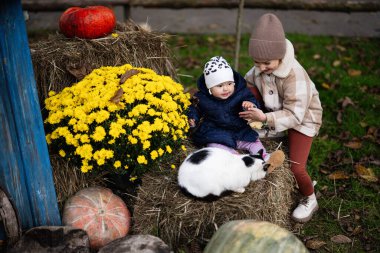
(142, 160)
(114, 35)
(62, 153)
(51, 93)
(132, 179)
(117, 164)
(48, 138)
(116, 129)
(183, 147)
(98, 134)
(172, 166)
(146, 145)
(168, 149)
(84, 138)
(85, 168)
(153, 155)
(84, 151)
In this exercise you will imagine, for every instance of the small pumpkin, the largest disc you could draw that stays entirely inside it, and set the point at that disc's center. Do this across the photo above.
(243, 236)
(87, 23)
(102, 214)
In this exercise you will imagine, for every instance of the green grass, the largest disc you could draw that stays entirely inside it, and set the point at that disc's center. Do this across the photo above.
(340, 68)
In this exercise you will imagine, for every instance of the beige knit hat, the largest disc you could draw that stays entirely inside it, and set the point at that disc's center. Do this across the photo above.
(267, 39)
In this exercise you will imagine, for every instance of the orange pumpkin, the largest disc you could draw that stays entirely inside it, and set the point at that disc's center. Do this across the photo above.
(87, 23)
(102, 214)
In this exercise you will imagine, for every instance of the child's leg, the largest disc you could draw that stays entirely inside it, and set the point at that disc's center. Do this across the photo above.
(252, 147)
(299, 149)
(217, 145)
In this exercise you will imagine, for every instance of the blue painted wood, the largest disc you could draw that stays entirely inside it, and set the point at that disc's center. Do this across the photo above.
(25, 170)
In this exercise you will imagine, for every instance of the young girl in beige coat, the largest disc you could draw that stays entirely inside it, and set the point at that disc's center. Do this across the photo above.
(290, 99)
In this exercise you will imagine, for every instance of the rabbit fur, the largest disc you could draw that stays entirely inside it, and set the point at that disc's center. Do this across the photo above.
(211, 171)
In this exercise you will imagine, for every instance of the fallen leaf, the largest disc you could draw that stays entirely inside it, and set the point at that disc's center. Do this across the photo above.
(346, 101)
(324, 171)
(357, 230)
(324, 188)
(347, 58)
(339, 117)
(344, 135)
(338, 175)
(211, 39)
(315, 244)
(341, 48)
(79, 72)
(372, 131)
(366, 173)
(341, 239)
(354, 144)
(316, 56)
(329, 47)
(326, 86)
(354, 72)
(324, 137)
(117, 97)
(128, 74)
(336, 63)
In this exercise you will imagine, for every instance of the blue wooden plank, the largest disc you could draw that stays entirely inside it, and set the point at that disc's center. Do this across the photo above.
(25, 165)
(10, 157)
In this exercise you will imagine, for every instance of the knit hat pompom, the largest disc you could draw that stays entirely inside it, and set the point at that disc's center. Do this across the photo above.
(267, 39)
(217, 71)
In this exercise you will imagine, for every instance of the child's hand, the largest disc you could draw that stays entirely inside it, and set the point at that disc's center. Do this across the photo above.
(192, 122)
(247, 105)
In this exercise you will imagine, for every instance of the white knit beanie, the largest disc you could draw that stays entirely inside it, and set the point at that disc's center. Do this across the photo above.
(217, 71)
(267, 39)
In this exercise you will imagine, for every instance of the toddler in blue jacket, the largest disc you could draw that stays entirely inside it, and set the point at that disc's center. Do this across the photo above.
(214, 117)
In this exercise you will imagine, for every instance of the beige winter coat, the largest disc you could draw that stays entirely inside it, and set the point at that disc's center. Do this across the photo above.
(289, 95)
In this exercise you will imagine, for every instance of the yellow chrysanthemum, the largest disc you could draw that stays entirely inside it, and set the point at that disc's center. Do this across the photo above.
(146, 121)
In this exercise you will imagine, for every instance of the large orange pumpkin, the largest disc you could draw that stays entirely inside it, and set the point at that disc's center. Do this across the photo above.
(102, 214)
(88, 23)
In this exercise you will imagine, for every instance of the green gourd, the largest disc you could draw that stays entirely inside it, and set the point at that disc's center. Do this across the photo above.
(243, 236)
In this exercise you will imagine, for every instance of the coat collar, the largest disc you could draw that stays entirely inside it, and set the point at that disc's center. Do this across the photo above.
(286, 63)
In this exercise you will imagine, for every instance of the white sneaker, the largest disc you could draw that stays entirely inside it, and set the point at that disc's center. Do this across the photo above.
(305, 209)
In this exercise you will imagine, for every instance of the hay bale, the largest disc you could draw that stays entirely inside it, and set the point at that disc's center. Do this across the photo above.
(59, 61)
(163, 210)
(68, 180)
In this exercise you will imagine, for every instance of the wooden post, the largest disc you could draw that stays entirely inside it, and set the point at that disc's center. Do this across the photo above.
(238, 34)
(25, 170)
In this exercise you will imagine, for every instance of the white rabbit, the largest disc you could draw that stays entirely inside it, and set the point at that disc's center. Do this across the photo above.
(215, 170)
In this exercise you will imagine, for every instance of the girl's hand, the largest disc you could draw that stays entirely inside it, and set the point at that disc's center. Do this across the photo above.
(253, 114)
(247, 105)
(192, 122)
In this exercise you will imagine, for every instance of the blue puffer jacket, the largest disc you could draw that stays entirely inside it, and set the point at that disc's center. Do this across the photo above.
(220, 118)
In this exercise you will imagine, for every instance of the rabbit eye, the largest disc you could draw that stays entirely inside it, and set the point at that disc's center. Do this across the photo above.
(266, 166)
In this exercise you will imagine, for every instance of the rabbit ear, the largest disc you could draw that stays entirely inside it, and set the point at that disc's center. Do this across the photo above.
(259, 155)
(248, 160)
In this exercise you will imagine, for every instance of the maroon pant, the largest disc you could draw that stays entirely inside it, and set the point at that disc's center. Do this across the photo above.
(299, 149)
